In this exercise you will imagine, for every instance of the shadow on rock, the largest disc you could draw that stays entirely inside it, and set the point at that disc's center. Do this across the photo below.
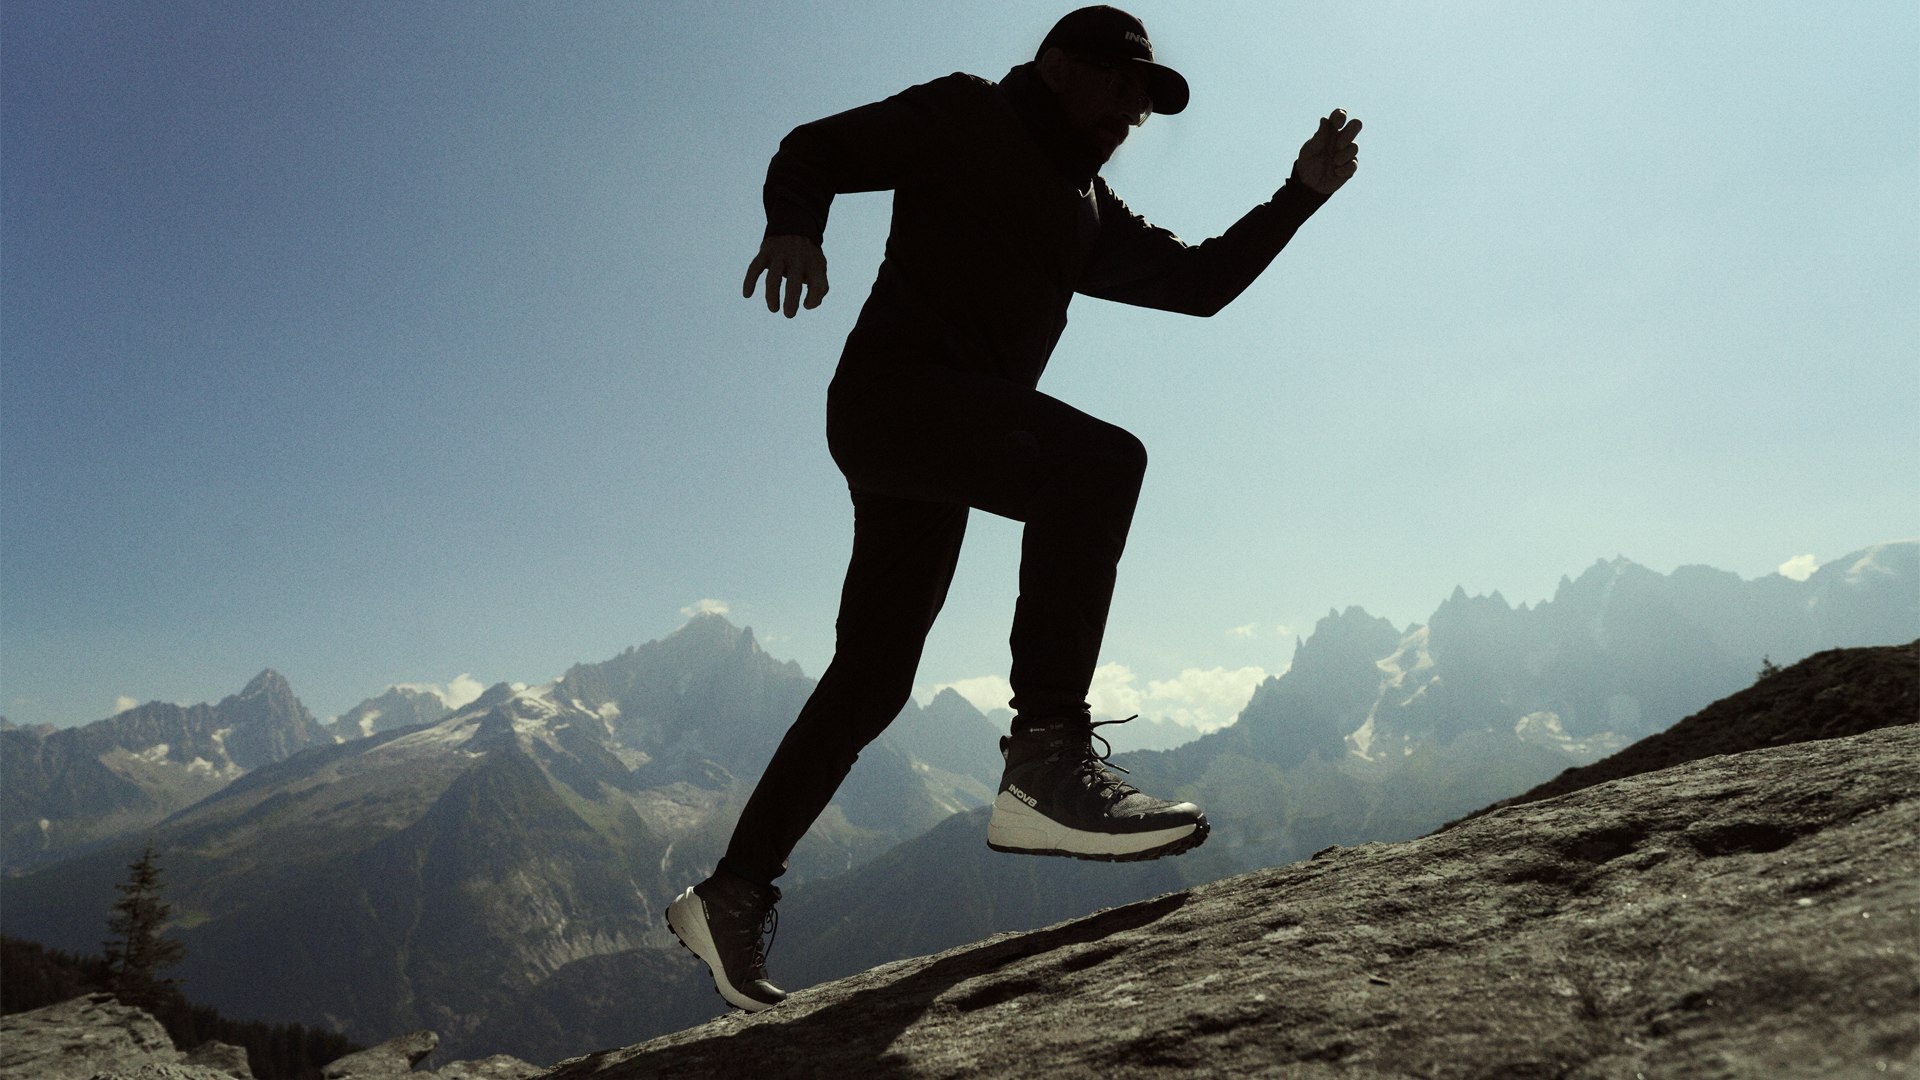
(862, 1017)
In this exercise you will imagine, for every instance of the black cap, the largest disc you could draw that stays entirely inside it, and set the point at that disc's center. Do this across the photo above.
(1107, 33)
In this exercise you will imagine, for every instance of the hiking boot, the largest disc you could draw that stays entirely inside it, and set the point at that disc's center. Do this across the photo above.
(723, 921)
(1058, 797)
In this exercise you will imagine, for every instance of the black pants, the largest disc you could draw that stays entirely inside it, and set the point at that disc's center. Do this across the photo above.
(920, 445)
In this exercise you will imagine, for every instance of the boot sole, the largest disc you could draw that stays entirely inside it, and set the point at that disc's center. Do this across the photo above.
(687, 918)
(1019, 829)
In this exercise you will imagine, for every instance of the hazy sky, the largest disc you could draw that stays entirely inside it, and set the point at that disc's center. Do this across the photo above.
(393, 342)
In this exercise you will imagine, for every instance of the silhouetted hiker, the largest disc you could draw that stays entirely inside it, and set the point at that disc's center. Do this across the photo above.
(999, 217)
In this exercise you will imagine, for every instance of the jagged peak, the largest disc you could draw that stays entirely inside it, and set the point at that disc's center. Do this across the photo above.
(1355, 615)
(948, 697)
(495, 695)
(268, 681)
(1343, 634)
(705, 624)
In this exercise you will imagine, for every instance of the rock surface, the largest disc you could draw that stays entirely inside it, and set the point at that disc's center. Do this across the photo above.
(222, 1058)
(156, 1071)
(1750, 915)
(85, 1037)
(97, 1038)
(395, 1057)
(497, 1067)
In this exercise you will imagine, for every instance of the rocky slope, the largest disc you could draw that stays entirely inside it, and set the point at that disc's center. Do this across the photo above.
(1737, 916)
(1277, 792)
(97, 1038)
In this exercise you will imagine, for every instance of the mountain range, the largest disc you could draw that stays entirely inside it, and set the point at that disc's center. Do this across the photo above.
(496, 871)
(62, 790)
(459, 873)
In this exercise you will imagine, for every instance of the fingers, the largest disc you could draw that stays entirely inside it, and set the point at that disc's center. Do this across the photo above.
(1337, 129)
(1339, 147)
(792, 275)
(794, 266)
(816, 281)
(808, 274)
(754, 269)
(1330, 157)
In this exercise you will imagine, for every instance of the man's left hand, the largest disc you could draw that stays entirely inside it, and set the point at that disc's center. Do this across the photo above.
(1330, 158)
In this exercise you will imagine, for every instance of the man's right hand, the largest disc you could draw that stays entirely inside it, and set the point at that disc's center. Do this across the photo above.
(792, 261)
(1330, 158)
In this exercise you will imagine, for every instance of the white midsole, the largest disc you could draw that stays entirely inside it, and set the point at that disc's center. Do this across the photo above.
(1016, 825)
(687, 918)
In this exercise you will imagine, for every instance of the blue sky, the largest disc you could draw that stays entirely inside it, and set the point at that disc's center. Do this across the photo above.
(389, 343)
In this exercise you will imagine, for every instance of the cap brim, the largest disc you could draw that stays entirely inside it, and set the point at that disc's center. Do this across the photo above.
(1167, 87)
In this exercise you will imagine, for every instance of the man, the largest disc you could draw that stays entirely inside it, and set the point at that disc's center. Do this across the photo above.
(999, 217)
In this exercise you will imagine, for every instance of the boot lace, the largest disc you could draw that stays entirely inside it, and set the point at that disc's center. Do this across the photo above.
(763, 941)
(1095, 765)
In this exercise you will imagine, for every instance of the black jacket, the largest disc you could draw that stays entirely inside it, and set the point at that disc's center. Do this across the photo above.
(997, 222)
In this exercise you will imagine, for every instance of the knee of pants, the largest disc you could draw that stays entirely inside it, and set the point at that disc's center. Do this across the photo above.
(858, 697)
(1110, 482)
(1130, 456)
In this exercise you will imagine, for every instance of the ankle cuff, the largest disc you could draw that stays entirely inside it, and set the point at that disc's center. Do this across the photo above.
(734, 869)
(1051, 725)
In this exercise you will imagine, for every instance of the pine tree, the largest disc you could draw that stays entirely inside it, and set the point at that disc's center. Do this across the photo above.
(136, 953)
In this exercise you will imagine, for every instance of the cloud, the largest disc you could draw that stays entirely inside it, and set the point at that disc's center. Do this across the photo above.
(1251, 630)
(1204, 699)
(1201, 699)
(985, 692)
(1198, 699)
(1800, 567)
(1113, 694)
(122, 704)
(705, 607)
(463, 690)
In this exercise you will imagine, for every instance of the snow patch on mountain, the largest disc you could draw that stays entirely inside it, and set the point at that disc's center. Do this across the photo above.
(1544, 729)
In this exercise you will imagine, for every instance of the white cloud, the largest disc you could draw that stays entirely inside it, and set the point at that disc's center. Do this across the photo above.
(1204, 699)
(1113, 694)
(1800, 567)
(705, 606)
(1198, 699)
(463, 690)
(984, 692)
(122, 704)
(1246, 631)
(1201, 699)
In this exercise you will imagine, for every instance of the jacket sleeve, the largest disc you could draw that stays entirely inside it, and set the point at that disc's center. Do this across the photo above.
(875, 147)
(1135, 262)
